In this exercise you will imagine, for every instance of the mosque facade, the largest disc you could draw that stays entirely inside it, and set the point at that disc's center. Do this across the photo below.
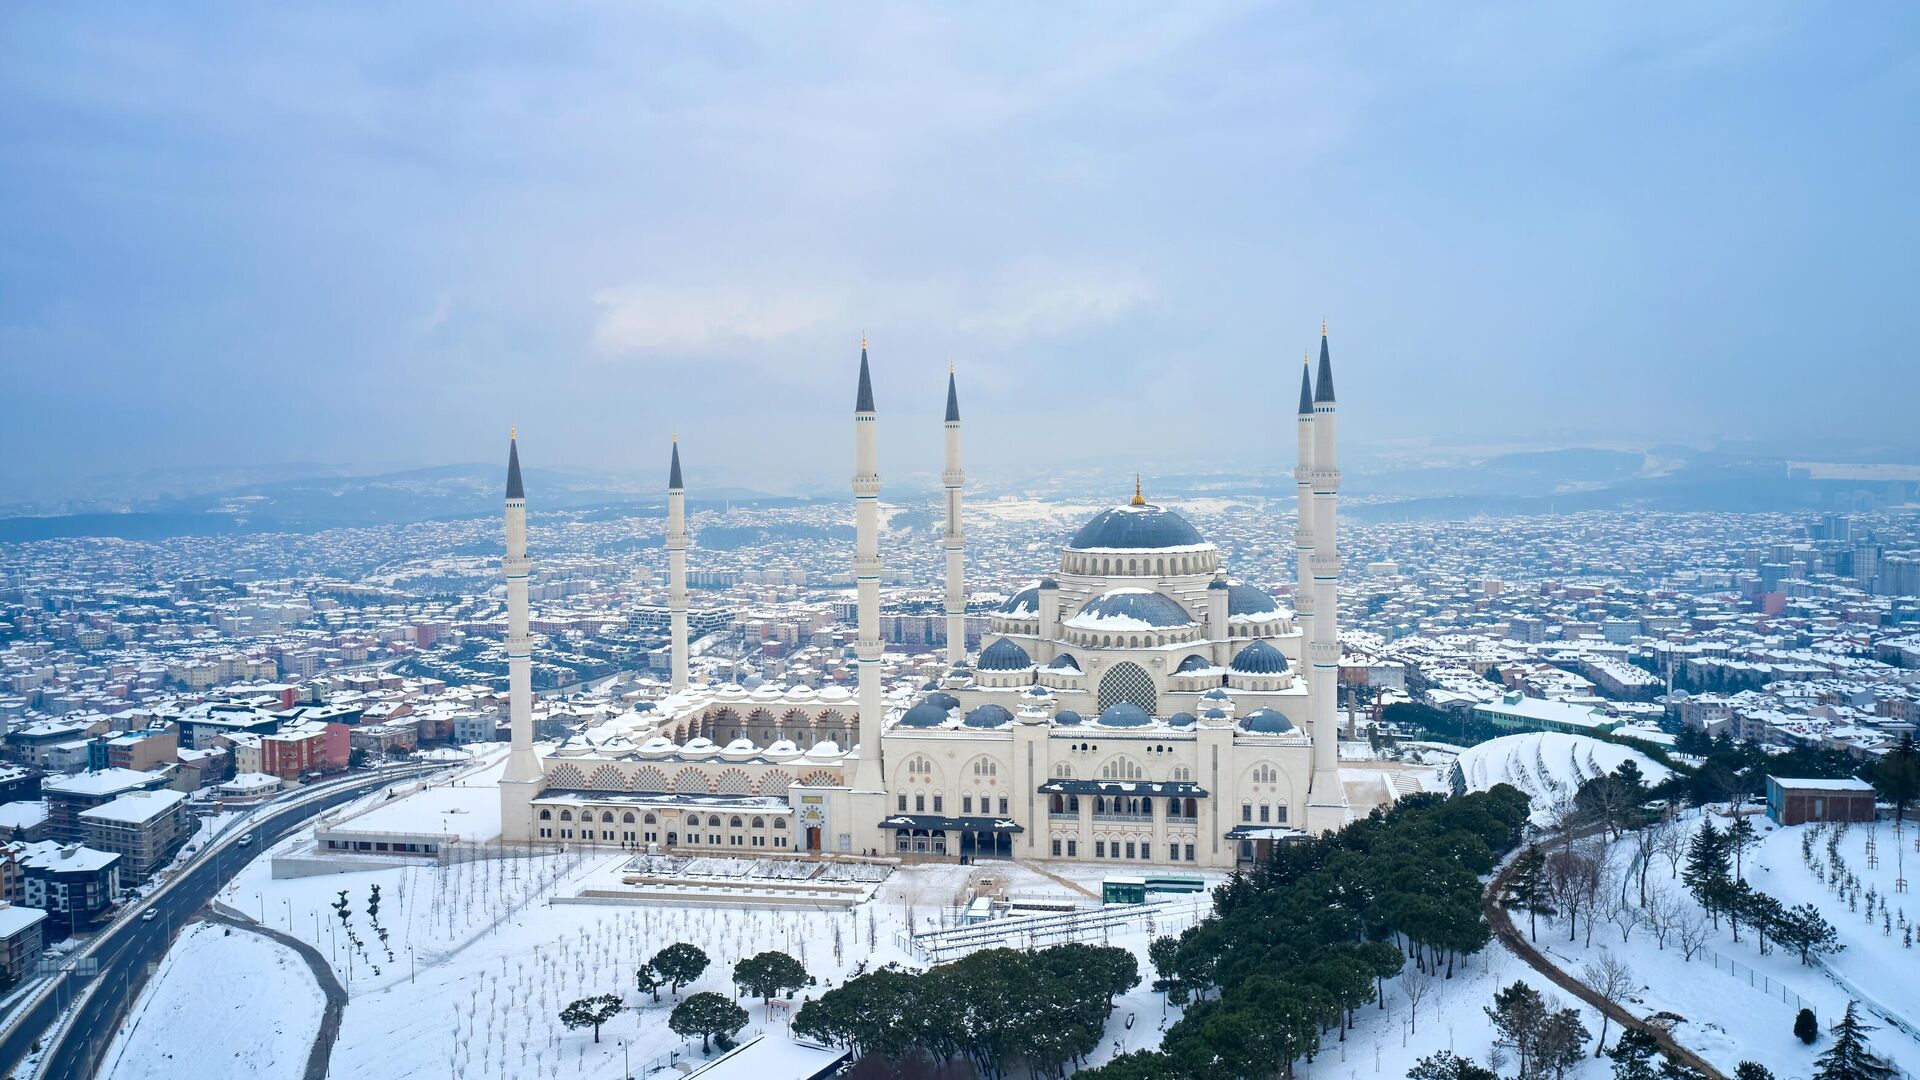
(1134, 706)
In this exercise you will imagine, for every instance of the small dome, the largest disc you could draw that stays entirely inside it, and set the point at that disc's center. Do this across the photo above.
(1216, 694)
(1135, 528)
(1064, 662)
(1066, 718)
(1215, 714)
(1049, 583)
(927, 714)
(988, 716)
(1249, 602)
(1024, 604)
(1124, 714)
(941, 698)
(1217, 583)
(1036, 691)
(1004, 655)
(1130, 609)
(1194, 662)
(930, 684)
(1259, 658)
(1180, 720)
(1266, 722)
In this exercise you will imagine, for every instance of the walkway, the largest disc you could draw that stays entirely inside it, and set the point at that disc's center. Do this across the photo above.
(1513, 939)
(322, 1051)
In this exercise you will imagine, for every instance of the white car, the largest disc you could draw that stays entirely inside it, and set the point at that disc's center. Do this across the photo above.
(150, 914)
(247, 840)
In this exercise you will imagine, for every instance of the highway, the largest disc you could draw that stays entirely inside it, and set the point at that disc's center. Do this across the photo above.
(130, 945)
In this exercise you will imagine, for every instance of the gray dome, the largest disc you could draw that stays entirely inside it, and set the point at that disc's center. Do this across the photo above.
(1217, 583)
(1124, 714)
(1024, 604)
(1216, 694)
(1180, 719)
(1036, 690)
(1195, 662)
(1249, 600)
(988, 716)
(1266, 722)
(1215, 714)
(927, 714)
(1004, 655)
(942, 699)
(1139, 605)
(930, 684)
(1259, 658)
(1066, 718)
(1064, 662)
(1136, 528)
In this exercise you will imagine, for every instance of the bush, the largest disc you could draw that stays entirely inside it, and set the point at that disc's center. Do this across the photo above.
(1805, 1027)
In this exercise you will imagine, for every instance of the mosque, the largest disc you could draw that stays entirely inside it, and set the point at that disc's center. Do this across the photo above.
(1135, 706)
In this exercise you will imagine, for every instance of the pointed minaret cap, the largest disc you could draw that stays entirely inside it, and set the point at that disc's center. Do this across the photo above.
(1323, 380)
(1138, 499)
(515, 490)
(1306, 384)
(953, 398)
(863, 402)
(673, 471)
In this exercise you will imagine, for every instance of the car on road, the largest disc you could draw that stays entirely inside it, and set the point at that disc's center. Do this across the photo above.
(150, 914)
(247, 840)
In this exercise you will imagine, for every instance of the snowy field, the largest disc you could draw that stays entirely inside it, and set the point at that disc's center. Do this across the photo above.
(478, 959)
(223, 1006)
(1549, 766)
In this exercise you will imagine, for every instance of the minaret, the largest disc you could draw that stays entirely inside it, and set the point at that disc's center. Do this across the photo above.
(868, 774)
(522, 766)
(1326, 799)
(1303, 504)
(955, 541)
(677, 567)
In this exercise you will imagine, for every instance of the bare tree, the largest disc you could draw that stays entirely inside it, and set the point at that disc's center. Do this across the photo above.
(1627, 916)
(1613, 981)
(1692, 930)
(1645, 847)
(1415, 984)
(1662, 913)
(1671, 841)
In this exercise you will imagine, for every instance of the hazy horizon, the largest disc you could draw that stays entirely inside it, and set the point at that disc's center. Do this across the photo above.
(382, 236)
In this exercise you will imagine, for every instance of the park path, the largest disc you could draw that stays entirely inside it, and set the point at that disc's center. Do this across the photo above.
(1510, 935)
(322, 1052)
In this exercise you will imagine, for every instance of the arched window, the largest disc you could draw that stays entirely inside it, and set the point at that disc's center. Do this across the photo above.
(1128, 681)
(566, 815)
(1063, 770)
(1265, 774)
(759, 823)
(606, 816)
(693, 821)
(734, 822)
(1182, 773)
(648, 820)
(1122, 768)
(626, 818)
(984, 768)
(546, 815)
(779, 823)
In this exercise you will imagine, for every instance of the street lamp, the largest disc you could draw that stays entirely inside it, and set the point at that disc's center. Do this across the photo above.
(410, 967)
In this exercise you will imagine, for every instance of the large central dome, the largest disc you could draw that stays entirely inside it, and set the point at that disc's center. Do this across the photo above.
(1141, 527)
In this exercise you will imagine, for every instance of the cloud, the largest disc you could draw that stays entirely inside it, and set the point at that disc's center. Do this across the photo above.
(636, 318)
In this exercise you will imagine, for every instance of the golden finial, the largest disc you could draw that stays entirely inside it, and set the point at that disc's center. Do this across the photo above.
(1323, 328)
(1138, 499)
(513, 433)
(949, 367)
(676, 437)
(1306, 357)
(863, 341)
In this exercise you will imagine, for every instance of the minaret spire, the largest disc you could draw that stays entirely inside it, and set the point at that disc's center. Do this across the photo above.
(677, 568)
(1326, 798)
(954, 542)
(1138, 499)
(868, 774)
(522, 777)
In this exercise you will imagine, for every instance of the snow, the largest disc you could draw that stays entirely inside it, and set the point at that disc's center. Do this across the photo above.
(1549, 766)
(223, 1006)
(464, 806)
(771, 1057)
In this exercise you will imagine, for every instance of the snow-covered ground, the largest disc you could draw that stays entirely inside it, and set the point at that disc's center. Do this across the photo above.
(1549, 766)
(224, 1004)
(479, 961)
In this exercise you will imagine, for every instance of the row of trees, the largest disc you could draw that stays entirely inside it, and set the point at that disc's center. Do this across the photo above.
(709, 1015)
(998, 1009)
(1338, 916)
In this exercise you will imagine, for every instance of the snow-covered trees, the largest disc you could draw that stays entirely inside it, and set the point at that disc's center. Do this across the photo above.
(769, 974)
(679, 963)
(592, 1012)
(1546, 1038)
(1849, 1058)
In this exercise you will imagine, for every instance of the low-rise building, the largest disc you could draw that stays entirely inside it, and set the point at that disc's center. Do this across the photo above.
(1794, 802)
(75, 885)
(69, 796)
(22, 937)
(145, 827)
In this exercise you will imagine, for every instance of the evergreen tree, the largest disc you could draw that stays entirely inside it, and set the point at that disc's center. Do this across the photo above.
(649, 980)
(1706, 874)
(1848, 1058)
(679, 963)
(1752, 1070)
(1741, 838)
(1445, 1066)
(592, 1012)
(1526, 890)
(1897, 777)
(1804, 930)
(706, 1014)
(1633, 1055)
(769, 974)
(1805, 1027)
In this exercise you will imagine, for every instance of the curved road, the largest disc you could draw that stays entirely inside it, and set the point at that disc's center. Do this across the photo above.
(127, 948)
(336, 995)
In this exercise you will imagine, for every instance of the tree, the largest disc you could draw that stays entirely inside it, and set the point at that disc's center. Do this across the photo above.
(592, 1012)
(649, 980)
(706, 1015)
(769, 974)
(1561, 1043)
(1848, 1058)
(1805, 1027)
(1612, 980)
(1803, 929)
(1445, 1066)
(1633, 1053)
(1526, 890)
(1752, 1070)
(679, 963)
(1517, 1013)
(1708, 868)
(1897, 777)
(1741, 838)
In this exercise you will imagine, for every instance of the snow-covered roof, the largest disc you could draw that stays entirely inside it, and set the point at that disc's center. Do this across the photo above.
(1130, 609)
(1136, 528)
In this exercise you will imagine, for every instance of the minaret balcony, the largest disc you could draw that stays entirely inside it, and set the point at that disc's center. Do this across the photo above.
(1324, 565)
(519, 645)
(513, 566)
(676, 541)
(1322, 652)
(866, 566)
(866, 485)
(953, 477)
(1325, 479)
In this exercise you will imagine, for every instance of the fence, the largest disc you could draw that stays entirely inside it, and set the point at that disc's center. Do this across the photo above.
(1759, 980)
(1040, 931)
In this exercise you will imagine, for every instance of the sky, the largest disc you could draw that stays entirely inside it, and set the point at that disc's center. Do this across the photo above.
(381, 234)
